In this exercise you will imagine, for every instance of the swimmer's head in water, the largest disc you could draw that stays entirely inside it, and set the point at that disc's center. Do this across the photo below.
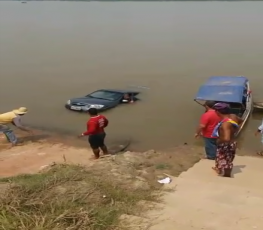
(126, 96)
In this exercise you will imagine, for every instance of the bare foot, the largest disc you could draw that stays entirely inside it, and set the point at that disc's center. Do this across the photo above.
(104, 156)
(216, 170)
(20, 144)
(94, 158)
(12, 146)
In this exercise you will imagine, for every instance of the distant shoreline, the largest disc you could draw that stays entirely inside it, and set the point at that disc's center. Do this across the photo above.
(134, 1)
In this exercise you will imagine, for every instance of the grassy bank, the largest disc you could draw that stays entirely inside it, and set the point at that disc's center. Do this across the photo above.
(113, 193)
(69, 197)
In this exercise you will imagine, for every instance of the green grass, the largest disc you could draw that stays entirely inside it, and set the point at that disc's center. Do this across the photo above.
(68, 198)
(163, 166)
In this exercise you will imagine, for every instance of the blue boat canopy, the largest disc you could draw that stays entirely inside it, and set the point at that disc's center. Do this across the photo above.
(225, 89)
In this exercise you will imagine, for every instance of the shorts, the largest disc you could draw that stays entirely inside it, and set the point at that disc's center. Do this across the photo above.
(97, 140)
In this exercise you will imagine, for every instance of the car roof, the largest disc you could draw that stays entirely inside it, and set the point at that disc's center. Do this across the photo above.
(120, 91)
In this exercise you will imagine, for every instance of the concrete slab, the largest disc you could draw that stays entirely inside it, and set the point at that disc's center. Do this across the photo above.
(205, 201)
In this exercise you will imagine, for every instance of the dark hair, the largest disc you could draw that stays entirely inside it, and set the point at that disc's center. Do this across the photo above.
(93, 111)
(210, 104)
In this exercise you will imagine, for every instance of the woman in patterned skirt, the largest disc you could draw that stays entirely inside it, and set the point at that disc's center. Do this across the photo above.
(226, 145)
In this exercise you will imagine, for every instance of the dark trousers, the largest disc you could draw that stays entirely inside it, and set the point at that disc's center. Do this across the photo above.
(210, 147)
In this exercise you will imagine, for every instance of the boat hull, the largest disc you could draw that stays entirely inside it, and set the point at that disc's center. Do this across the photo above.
(248, 110)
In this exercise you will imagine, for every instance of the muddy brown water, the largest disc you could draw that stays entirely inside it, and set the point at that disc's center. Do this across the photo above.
(53, 51)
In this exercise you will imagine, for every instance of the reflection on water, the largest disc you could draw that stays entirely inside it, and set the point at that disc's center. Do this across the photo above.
(53, 51)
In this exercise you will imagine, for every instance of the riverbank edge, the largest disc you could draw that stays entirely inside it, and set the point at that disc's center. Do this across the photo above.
(42, 135)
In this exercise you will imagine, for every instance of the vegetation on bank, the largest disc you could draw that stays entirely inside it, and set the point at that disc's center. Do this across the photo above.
(113, 193)
(68, 197)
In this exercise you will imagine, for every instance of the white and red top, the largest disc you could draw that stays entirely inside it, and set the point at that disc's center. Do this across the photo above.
(96, 125)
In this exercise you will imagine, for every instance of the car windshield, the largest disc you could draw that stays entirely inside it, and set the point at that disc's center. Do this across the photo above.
(105, 95)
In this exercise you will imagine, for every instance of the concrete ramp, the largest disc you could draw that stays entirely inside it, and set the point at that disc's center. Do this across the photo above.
(204, 201)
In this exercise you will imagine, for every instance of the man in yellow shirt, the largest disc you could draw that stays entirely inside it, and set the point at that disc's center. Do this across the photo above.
(14, 118)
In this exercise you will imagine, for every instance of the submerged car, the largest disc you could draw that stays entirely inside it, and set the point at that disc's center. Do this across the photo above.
(102, 100)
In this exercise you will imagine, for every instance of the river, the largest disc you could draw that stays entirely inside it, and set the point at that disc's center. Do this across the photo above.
(53, 51)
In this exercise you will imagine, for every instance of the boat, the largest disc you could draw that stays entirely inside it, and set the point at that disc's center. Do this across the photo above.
(234, 90)
(258, 105)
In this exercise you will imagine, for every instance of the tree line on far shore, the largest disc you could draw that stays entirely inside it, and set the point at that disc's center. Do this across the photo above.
(137, 0)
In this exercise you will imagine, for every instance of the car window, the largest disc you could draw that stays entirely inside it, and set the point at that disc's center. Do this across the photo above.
(106, 95)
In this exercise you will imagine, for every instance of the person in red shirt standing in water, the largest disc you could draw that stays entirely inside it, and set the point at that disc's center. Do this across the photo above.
(96, 133)
(209, 120)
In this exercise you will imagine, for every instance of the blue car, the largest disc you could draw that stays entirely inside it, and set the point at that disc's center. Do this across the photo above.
(102, 100)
